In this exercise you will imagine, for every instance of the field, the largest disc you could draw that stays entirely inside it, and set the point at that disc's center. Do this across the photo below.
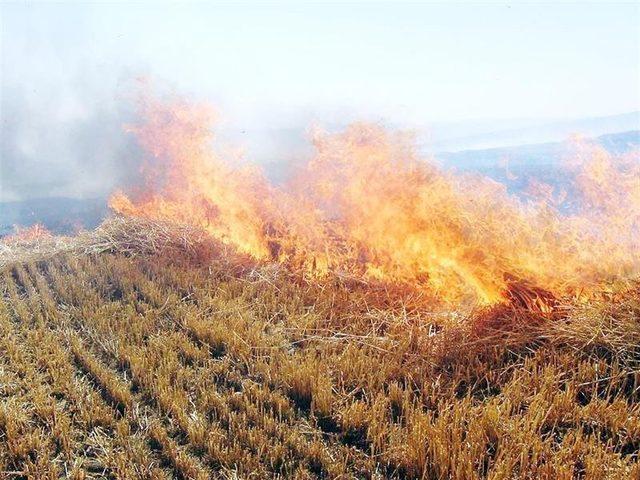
(166, 365)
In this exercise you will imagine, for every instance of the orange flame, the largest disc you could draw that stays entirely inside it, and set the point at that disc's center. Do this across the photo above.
(31, 233)
(188, 183)
(369, 204)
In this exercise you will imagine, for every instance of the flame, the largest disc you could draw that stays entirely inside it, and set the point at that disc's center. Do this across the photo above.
(368, 204)
(187, 182)
(32, 233)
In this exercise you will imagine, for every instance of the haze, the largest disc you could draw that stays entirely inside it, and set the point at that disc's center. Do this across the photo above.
(281, 67)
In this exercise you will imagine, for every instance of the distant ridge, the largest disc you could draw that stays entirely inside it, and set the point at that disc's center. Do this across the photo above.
(532, 133)
(58, 214)
(514, 166)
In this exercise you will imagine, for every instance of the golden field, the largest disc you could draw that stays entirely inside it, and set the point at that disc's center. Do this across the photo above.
(189, 364)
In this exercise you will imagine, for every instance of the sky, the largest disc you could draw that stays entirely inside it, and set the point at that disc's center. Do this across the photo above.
(65, 66)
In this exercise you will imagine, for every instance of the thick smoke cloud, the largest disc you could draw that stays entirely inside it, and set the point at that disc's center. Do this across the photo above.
(62, 106)
(65, 145)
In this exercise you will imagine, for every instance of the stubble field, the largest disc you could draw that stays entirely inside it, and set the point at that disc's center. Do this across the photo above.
(162, 366)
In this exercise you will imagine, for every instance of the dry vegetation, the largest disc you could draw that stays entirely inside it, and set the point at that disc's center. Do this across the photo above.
(148, 355)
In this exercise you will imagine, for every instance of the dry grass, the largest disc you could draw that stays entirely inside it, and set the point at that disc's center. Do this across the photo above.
(132, 353)
(128, 236)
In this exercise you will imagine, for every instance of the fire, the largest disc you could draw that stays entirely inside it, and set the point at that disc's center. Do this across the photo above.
(32, 233)
(189, 183)
(367, 203)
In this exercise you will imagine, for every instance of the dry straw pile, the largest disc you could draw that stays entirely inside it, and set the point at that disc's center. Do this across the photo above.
(118, 234)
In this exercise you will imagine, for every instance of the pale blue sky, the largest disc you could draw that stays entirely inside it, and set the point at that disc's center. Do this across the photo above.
(420, 62)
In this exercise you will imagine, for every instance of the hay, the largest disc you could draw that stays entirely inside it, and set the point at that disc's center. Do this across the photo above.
(126, 235)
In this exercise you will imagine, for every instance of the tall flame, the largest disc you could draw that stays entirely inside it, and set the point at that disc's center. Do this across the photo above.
(366, 202)
(187, 182)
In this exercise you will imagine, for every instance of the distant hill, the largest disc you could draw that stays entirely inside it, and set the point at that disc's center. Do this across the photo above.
(58, 214)
(495, 134)
(514, 166)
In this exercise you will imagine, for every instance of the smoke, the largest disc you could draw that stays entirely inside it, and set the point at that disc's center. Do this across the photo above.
(64, 67)
(64, 144)
(62, 107)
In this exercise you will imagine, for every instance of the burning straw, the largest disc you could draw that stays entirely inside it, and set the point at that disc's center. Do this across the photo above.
(367, 204)
(125, 235)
